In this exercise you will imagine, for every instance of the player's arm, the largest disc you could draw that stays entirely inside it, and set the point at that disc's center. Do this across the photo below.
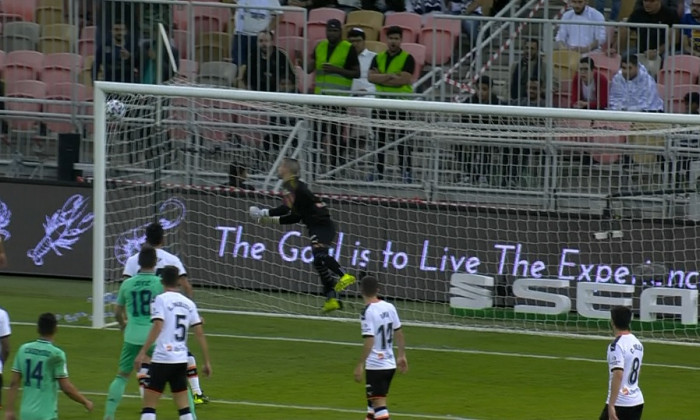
(186, 287)
(366, 350)
(120, 316)
(615, 384)
(12, 395)
(72, 392)
(202, 340)
(401, 360)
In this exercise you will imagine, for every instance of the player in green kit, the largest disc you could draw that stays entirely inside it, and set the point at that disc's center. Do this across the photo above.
(133, 313)
(40, 367)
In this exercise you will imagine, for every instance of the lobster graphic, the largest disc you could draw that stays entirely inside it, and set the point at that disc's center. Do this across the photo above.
(129, 242)
(64, 228)
(5, 215)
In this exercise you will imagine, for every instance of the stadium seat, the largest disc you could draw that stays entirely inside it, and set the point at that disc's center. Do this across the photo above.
(210, 19)
(57, 38)
(675, 77)
(58, 4)
(418, 53)
(376, 46)
(60, 68)
(24, 8)
(685, 69)
(371, 32)
(410, 22)
(365, 17)
(315, 32)
(324, 14)
(25, 89)
(452, 26)
(49, 15)
(188, 69)
(655, 140)
(180, 17)
(2, 60)
(67, 93)
(606, 64)
(675, 102)
(608, 156)
(86, 47)
(438, 46)
(181, 42)
(290, 24)
(22, 65)
(88, 32)
(565, 63)
(213, 46)
(217, 73)
(20, 36)
(214, 111)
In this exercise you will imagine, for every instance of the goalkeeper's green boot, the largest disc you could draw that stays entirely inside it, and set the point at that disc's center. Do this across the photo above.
(331, 305)
(344, 282)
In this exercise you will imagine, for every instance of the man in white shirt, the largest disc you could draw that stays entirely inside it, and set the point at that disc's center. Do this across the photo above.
(356, 37)
(580, 38)
(5, 332)
(381, 326)
(249, 22)
(625, 400)
(633, 88)
(172, 315)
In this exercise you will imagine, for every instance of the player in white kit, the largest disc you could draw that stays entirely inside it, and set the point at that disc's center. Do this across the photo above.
(172, 314)
(5, 332)
(625, 400)
(380, 327)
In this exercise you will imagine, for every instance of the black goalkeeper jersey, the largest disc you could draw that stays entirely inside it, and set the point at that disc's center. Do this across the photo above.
(301, 205)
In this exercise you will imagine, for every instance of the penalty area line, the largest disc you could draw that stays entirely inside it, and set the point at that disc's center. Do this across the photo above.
(305, 408)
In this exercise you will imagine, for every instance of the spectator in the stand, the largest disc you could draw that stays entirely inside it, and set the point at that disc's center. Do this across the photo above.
(650, 41)
(477, 159)
(633, 88)
(392, 73)
(425, 7)
(237, 177)
(357, 37)
(349, 5)
(589, 87)
(688, 141)
(149, 66)
(580, 38)
(269, 68)
(271, 71)
(249, 22)
(336, 64)
(468, 8)
(691, 36)
(678, 6)
(312, 4)
(118, 58)
(614, 10)
(535, 94)
(529, 66)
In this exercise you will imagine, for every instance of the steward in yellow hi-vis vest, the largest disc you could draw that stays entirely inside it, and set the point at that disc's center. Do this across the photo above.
(392, 72)
(335, 61)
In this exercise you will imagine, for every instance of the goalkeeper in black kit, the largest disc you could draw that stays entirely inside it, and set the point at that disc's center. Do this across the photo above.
(301, 205)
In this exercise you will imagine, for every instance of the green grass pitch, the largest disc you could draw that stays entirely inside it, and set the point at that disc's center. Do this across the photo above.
(297, 369)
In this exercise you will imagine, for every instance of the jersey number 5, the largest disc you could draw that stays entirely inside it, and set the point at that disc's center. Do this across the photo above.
(180, 328)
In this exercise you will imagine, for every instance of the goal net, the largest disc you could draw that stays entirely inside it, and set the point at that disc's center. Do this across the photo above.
(470, 215)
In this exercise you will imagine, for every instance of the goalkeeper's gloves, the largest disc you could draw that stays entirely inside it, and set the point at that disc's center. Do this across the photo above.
(262, 216)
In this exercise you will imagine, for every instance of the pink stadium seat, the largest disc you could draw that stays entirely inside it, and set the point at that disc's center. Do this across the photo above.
(290, 24)
(86, 47)
(210, 19)
(685, 63)
(61, 67)
(181, 42)
(180, 17)
(315, 31)
(88, 32)
(418, 53)
(65, 92)
(22, 65)
(606, 64)
(675, 104)
(452, 26)
(438, 45)
(324, 14)
(607, 156)
(25, 89)
(2, 60)
(24, 8)
(675, 77)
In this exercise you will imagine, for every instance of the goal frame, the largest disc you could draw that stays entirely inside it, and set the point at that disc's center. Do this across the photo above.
(102, 89)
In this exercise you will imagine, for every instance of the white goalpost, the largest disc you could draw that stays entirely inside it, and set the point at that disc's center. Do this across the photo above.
(531, 219)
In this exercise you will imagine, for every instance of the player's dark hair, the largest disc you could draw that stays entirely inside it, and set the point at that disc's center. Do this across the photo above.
(147, 257)
(154, 234)
(394, 30)
(369, 286)
(621, 317)
(292, 165)
(46, 325)
(169, 275)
